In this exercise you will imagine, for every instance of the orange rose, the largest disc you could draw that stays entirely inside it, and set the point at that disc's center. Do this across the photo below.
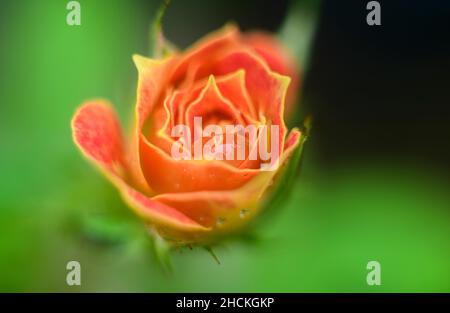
(267, 47)
(226, 78)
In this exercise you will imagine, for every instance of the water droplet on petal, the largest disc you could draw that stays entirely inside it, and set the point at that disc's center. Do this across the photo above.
(243, 213)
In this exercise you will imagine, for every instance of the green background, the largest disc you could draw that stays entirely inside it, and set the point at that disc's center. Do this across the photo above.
(337, 219)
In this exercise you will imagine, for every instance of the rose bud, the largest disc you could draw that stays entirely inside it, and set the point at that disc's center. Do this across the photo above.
(236, 85)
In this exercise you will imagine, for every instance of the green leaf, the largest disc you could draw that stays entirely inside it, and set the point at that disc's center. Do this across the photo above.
(107, 230)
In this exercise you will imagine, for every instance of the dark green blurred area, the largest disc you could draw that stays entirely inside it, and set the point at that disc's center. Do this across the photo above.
(339, 217)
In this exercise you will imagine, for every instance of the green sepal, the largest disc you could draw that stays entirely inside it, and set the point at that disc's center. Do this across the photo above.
(162, 249)
(284, 180)
(160, 47)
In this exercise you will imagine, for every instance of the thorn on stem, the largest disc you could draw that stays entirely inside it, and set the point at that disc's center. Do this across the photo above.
(209, 249)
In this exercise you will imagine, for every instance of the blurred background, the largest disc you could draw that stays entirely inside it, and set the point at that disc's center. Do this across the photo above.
(374, 181)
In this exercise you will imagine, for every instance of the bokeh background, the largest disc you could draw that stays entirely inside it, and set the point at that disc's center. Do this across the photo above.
(374, 181)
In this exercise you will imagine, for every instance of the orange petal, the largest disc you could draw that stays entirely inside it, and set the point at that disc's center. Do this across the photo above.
(165, 174)
(151, 86)
(278, 59)
(223, 211)
(233, 88)
(267, 89)
(152, 81)
(203, 97)
(210, 101)
(292, 141)
(263, 86)
(158, 126)
(162, 216)
(97, 133)
(205, 51)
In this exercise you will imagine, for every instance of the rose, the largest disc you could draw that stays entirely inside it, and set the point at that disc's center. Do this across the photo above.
(279, 60)
(228, 76)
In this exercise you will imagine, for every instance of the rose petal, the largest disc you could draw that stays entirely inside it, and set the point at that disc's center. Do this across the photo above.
(227, 210)
(152, 79)
(233, 88)
(97, 133)
(166, 174)
(266, 88)
(204, 96)
(206, 51)
(279, 61)
(210, 101)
